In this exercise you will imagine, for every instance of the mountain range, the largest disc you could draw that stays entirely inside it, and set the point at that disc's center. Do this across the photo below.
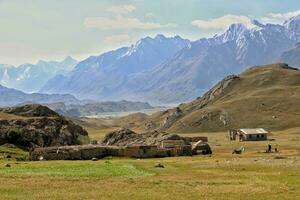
(12, 97)
(66, 104)
(170, 70)
(101, 77)
(31, 77)
(161, 70)
(94, 108)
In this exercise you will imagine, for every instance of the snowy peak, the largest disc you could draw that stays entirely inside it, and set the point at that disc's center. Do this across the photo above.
(149, 44)
(69, 59)
(293, 24)
(30, 77)
(233, 32)
(257, 23)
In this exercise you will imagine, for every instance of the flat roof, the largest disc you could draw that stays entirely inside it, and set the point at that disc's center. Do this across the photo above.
(253, 131)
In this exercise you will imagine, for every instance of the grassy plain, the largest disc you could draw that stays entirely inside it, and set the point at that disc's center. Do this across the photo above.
(251, 175)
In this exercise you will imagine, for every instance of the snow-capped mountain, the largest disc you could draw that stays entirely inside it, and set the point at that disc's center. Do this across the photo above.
(100, 76)
(31, 77)
(196, 68)
(178, 70)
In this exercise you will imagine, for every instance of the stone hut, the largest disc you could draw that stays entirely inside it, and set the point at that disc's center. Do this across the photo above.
(255, 134)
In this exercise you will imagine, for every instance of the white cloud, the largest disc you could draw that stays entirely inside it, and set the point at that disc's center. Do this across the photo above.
(19, 53)
(117, 39)
(121, 22)
(223, 22)
(150, 14)
(279, 17)
(124, 9)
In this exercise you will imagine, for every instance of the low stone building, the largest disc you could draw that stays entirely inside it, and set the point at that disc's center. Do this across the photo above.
(255, 134)
(87, 152)
(122, 143)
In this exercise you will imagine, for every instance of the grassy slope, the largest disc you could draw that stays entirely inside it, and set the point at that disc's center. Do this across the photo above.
(252, 175)
(266, 96)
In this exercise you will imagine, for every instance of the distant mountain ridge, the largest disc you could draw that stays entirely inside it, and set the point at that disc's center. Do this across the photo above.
(12, 97)
(94, 108)
(173, 69)
(99, 77)
(31, 77)
(66, 104)
(291, 56)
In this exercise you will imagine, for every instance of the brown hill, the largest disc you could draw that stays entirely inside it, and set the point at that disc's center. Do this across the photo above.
(263, 96)
(37, 126)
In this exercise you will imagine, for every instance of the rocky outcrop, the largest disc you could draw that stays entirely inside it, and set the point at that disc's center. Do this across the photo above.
(216, 91)
(172, 116)
(32, 110)
(38, 126)
(126, 137)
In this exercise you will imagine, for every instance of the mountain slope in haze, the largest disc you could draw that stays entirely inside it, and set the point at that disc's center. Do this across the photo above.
(262, 96)
(31, 77)
(197, 67)
(94, 108)
(187, 72)
(11, 97)
(99, 77)
(292, 56)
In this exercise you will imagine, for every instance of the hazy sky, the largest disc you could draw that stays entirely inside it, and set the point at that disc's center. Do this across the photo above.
(52, 29)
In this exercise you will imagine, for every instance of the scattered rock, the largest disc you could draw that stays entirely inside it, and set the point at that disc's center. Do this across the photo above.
(94, 159)
(93, 142)
(149, 125)
(20, 159)
(7, 145)
(40, 158)
(159, 165)
(280, 157)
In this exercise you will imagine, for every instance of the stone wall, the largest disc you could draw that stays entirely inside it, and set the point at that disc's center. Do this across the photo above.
(195, 139)
(87, 152)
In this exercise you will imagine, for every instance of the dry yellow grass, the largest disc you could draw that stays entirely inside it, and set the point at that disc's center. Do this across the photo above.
(252, 175)
(266, 96)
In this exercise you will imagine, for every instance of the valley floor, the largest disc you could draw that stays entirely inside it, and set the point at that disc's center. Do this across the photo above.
(251, 175)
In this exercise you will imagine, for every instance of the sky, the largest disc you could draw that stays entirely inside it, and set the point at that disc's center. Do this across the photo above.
(32, 30)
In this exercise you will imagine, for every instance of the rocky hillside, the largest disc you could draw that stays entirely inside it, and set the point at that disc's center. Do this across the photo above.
(38, 126)
(263, 96)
